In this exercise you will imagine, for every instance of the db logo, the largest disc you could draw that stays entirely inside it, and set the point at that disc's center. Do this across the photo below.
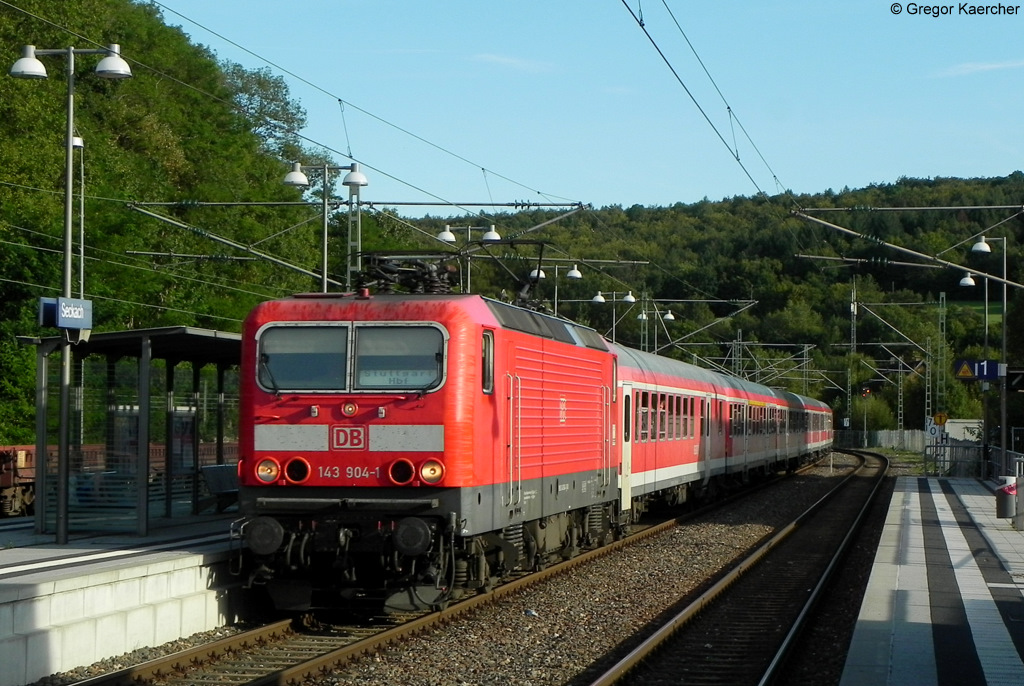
(348, 437)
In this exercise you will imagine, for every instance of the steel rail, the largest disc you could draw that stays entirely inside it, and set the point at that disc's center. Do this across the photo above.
(819, 588)
(182, 665)
(627, 664)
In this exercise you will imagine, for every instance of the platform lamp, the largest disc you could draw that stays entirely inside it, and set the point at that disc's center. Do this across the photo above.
(354, 181)
(111, 66)
(982, 246)
(575, 274)
(968, 281)
(627, 298)
(490, 235)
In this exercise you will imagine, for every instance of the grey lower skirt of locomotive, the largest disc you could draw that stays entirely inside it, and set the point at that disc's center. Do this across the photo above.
(392, 553)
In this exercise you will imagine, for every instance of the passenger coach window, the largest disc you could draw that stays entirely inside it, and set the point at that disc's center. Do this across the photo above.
(303, 358)
(398, 357)
(627, 418)
(670, 424)
(642, 417)
(662, 416)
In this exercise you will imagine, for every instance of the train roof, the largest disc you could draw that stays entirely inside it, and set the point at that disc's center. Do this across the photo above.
(659, 365)
(504, 315)
(535, 323)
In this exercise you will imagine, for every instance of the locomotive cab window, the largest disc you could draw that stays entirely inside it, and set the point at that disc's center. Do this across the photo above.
(398, 357)
(487, 362)
(309, 358)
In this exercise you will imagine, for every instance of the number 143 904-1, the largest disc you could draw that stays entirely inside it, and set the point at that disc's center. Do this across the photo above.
(347, 472)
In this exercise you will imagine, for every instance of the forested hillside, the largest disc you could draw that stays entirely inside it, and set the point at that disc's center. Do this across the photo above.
(743, 277)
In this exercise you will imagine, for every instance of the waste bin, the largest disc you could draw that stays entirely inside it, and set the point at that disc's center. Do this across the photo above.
(1006, 499)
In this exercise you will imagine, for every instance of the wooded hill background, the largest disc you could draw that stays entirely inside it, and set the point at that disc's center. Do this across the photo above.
(189, 128)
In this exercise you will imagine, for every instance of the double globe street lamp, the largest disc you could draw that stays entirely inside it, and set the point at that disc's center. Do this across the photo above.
(490, 235)
(354, 181)
(538, 274)
(628, 298)
(111, 66)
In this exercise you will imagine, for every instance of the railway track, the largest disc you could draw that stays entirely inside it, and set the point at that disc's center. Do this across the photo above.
(288, 652)
(740, 630)
(291, 653)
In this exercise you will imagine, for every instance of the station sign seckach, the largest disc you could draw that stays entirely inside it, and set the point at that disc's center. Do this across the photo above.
(65, 313)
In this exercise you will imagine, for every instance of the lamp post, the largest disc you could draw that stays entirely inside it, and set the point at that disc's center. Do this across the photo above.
(112, 66)
(982, 246)
(78, 143)
(537, 274)
(968, 282)
(866, 395)
(627, 298)
(354, 180)
(643, 318)
(489, 236)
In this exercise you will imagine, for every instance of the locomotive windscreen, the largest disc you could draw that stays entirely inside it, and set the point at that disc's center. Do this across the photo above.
(303, 358)
(398, 357)
(316, 357)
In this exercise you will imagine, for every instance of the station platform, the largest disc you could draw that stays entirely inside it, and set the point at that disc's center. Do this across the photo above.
(945, 600)
(100, 596)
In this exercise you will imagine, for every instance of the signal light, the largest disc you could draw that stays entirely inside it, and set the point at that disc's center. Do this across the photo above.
(349, 409)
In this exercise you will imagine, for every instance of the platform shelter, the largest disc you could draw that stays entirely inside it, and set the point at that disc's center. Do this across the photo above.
(153, 423)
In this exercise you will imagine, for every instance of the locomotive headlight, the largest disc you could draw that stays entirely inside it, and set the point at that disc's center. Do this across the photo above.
(401, 472)
(267, 471)
(297, 470)
(431, 471)
(349, 409)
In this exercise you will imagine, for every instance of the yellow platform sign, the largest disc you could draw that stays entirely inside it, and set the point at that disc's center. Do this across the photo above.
(965, 371)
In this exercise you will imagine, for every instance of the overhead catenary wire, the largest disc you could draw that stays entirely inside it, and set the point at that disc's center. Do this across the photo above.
(345, 103)
(728, 107)
(163, 308)
(143, 266)
(693, 98)
(733, 149)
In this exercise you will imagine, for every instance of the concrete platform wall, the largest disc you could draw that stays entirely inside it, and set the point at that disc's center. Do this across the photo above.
(56, 624)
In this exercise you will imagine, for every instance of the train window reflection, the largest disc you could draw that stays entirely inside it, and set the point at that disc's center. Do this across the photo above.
(398, 357)
(309, 358)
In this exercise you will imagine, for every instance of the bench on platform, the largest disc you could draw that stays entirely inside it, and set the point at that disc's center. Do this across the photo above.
(222, 482)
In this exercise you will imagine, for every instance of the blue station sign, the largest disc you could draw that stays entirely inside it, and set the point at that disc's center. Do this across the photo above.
(977, 370)
(65, 313)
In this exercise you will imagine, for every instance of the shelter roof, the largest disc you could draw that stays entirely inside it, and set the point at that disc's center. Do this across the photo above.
(174, 343)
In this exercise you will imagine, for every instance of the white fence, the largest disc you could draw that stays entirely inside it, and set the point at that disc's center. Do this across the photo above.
(953, 458)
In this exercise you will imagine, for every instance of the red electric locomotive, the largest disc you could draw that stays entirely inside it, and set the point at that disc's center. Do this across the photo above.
(410, 448)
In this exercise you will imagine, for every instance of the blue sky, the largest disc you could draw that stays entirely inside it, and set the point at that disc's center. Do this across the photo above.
(475, 102)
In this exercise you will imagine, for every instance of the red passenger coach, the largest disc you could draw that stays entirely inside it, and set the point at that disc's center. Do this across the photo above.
(409, 448)
(687, 430)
